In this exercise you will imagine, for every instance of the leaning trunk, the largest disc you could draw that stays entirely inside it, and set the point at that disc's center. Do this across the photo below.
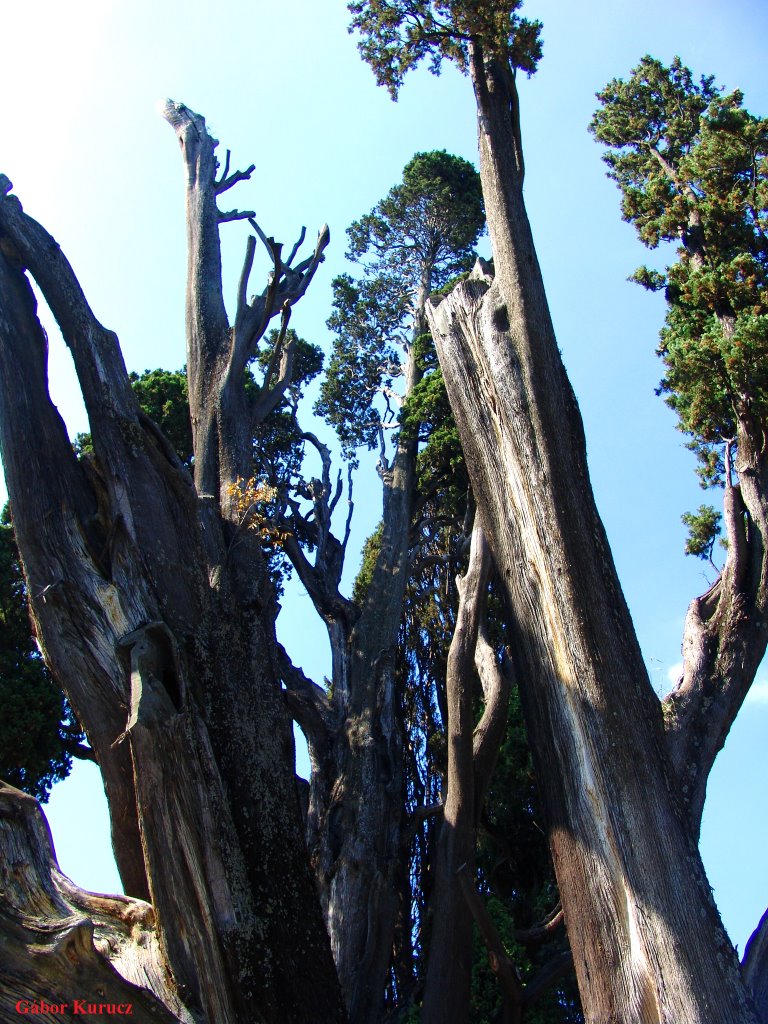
(449, 970)
(646, 937)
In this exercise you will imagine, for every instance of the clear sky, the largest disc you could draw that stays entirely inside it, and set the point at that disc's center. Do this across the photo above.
(282, 86)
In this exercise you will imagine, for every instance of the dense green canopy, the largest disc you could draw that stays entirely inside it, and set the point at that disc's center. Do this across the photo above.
(421, 234)
(691, 166)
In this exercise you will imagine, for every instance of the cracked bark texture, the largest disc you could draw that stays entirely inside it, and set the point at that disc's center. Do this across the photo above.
(646, 937)
(159, 626)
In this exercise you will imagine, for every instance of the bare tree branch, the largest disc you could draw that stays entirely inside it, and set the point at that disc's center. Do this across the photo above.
(281, 363)
(297, 245)
(306, 701)
(350, 511)
(544, 929)
(723, 642)
(245, 273)
(285, 287)
(516, 996)
(226, 182)
(231, 215)
(497, 682)
(225, 172)
(548, 976)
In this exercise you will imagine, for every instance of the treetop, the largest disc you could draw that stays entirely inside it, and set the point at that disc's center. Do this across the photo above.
(396, 35)
(431, 219)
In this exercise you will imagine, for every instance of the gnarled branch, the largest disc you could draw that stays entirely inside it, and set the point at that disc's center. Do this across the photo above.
(307, 702)
(64, 944)
(723, 642)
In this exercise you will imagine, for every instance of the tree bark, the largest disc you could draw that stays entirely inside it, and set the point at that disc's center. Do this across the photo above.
(725, 637)
(646, 937)
(62, 944)
(158, 620)
(354, 733)
(356, 798)
(449, 971)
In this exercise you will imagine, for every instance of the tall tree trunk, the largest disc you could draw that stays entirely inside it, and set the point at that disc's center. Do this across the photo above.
(354, 734)
(449, 971)
(357, 807)
(646, 937)
(157, 618)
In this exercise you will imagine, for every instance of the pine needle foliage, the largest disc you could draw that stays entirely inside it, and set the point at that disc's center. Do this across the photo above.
(418, 237)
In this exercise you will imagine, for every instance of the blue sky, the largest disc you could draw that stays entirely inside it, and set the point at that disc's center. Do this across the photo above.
(282, 86)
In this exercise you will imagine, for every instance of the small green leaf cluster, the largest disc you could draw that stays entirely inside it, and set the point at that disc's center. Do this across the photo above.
(368, 315)
(396, 35)
(703, 530)
(370, 557)
(692, 167)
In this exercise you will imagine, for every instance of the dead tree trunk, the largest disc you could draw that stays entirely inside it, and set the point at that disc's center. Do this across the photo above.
(154, 610)
(646, 937)
(66, 946)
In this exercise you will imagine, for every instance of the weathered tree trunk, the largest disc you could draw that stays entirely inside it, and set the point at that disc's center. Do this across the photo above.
(155, 613)
(725, 637)
(446, 995)
(63, 945)
(646, 937)
(354, 826)
(755, 967)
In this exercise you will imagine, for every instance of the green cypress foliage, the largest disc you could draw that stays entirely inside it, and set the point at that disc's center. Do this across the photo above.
(703, 529)
(163, 396)
(420, 235)
(691, 165)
